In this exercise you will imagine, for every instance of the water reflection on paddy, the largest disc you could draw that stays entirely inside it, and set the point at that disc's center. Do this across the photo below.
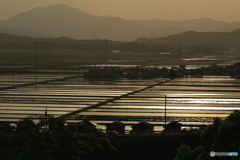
(157, 114)
(61, 97)
(198, 98)
(189, 100)
(8, 79)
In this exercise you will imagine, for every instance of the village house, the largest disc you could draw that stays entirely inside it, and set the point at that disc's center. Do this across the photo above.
(89, 123)
(116, 72)
(104, 72)
(175, 72)
(115, 126)
(133, 72)
(147, 72)
(142, 128)
(173, 127)
(94, 71)
(164, 71)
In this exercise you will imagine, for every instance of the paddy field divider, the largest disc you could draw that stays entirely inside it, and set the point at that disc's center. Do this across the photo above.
(34, 83)
(94, 106)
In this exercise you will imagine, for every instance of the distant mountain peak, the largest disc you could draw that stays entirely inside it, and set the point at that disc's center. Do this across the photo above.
(205, 18)
(53, 6)
(60, 20)
(57, 5)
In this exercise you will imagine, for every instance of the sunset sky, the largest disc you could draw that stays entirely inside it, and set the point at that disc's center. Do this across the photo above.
(223, 10)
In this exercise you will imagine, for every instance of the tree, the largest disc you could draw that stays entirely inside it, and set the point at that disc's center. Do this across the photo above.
(59, 142)
(186, 153)
(183, 152)
(25, 125)
(221, 136)
(228, 135)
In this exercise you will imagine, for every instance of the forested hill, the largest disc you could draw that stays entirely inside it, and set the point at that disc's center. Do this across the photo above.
(167, 44)
(4, 37)
(230, 39)
(8, 41)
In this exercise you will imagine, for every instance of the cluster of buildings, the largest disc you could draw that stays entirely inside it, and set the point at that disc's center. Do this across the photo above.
(152, 72)
(133, 72)
(118, 128)
(145, 72)
(104, 72)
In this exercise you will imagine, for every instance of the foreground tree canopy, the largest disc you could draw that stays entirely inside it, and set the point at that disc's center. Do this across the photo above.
(221, 136)
(54, 141)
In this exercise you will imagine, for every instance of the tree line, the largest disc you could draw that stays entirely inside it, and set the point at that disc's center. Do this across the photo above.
(51, 139)
(13, 42)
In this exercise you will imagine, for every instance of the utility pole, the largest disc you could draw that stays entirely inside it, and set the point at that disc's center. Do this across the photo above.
(46, 119)
(93, 35)
(35, 62)
(165, 115)
(180, 50)
(36, 55)
(106, 50)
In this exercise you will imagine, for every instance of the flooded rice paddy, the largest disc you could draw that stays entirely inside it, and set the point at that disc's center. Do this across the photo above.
(188, 100)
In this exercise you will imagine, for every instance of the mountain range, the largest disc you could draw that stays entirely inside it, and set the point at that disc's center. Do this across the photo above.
(189, 38)
(229, 39)
(63, 21)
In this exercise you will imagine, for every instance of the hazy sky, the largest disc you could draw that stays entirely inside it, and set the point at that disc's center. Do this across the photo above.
(224, 10)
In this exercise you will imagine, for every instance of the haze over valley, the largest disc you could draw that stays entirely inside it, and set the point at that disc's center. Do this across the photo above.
(60, 20)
